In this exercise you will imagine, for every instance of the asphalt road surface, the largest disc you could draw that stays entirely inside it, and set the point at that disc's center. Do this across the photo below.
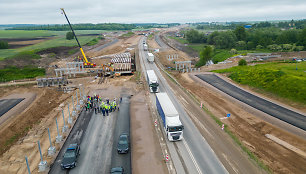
(76, 135)
(8, 104)
(122, 126)
(192, 154)
(98, 136)
(160, 42)
(104, 45)
(96, 146)
(268, 107)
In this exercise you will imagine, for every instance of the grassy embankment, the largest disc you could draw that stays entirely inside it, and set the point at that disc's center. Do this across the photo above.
(219, 54)
(13, 73)
(129, 34)
(278, 78)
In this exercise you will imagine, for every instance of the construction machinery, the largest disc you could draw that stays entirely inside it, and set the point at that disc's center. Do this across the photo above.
(87, 64)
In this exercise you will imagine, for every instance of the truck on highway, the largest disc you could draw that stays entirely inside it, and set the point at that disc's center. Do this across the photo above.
(150, 57)
(152, 81)
(145, 47)
(170, 117)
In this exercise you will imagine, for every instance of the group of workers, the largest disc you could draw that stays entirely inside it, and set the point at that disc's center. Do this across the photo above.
(99, 106)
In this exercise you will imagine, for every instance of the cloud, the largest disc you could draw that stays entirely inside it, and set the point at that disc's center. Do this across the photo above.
(161, 11)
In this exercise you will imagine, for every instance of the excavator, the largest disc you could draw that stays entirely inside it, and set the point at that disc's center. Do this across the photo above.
(86, 63)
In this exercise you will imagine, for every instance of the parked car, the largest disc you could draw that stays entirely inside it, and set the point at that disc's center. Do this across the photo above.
(117, 170)
(70, 157)
(123, 143)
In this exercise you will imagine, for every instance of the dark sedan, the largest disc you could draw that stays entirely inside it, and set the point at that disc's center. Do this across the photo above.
(123, 143)
(70, 157)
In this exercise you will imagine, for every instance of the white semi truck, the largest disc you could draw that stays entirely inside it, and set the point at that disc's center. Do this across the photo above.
(145, 47)
(152, 81)
(150, 57)
(170, 117)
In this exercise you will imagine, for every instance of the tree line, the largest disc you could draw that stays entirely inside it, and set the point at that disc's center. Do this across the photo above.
(65, 27)
(297, 24)
(250, 39)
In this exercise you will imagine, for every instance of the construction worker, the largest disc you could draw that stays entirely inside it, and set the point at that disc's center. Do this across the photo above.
(103, 110)
(111, 107)
(88, 106)
(114, 104)
(106, 109)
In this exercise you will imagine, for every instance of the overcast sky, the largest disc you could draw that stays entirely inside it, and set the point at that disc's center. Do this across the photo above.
(147, 11)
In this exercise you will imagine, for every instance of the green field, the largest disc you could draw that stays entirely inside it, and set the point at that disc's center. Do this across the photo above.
(42, 33)
(57, 41)
(278, 78)
(13, 73)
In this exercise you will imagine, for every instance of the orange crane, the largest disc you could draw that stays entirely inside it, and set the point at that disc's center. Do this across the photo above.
(86, 63)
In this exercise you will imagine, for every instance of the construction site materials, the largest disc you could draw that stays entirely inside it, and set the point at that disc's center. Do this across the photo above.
(120, 64)
(182, 64)
(53, 81)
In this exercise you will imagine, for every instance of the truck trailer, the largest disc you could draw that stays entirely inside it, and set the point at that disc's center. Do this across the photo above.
(152, 81)
(171, 119)
(150, 57)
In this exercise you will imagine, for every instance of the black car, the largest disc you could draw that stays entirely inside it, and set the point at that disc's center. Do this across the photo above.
(70, 157)
(117, 170)
(123, 143)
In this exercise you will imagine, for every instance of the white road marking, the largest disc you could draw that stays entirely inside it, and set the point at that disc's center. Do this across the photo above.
(184, 100)
(200, 124)
(236, 171)
(192, 157)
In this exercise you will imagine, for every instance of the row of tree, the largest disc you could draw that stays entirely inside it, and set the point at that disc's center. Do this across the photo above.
(65, 27)
(242, 39)
(298, 24)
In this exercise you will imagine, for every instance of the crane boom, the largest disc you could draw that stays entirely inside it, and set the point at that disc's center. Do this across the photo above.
(85, 59)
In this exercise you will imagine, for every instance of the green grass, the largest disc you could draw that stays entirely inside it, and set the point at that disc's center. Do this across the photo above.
(150, 36)
(221, 55)
(56, 42)
(279, 78)
(180, 40)
(197, 47)
(13, 73)
(129, 34)
(43, 33)
(70, 52)
(92, 42)
(24, 34)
